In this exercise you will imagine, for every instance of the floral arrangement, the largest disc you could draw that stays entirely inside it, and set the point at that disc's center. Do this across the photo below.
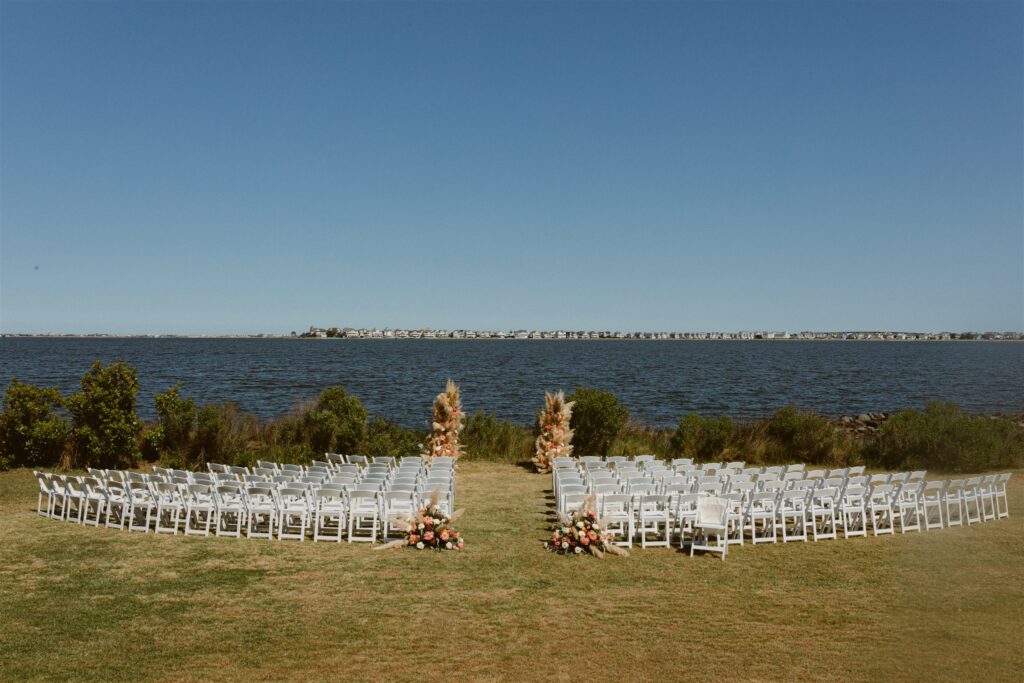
(430, 528)
(555, 439)
(446, 425)
(582, 532)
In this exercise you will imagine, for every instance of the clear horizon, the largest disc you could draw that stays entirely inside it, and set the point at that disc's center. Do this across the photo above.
(240, 168)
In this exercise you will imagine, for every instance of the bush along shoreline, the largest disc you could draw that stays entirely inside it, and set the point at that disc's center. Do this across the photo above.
(98, 426)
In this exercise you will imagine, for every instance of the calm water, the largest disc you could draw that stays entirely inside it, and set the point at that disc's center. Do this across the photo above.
(659, 381)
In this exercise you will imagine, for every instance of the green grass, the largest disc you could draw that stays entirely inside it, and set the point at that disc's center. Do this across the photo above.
(97, 604)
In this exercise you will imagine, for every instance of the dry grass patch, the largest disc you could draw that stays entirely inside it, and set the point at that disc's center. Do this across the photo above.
(943, 604)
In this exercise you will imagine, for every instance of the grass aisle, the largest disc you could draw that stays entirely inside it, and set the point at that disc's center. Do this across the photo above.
(98, 604)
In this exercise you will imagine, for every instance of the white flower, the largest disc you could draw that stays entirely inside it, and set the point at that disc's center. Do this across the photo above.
(565, 544)
(419, 545)
(448, 545)
(421, 526)
(579, 525)
(579, 550)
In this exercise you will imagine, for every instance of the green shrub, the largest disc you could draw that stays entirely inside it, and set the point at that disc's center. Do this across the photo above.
(945, 439)
(702, 438)
(484, 437)
(796, 436)
(32, 432)
(636, 439)
(151, 443)
(105, 425)
(177, 416)
(385, 438)
(597, 420)
(337, 423)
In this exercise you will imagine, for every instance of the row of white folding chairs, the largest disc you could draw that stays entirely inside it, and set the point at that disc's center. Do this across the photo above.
(408, 467)
(820, 511)
(165, 506)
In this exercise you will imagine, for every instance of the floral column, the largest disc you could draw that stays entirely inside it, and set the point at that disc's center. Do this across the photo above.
(555, 438)
(446, 425)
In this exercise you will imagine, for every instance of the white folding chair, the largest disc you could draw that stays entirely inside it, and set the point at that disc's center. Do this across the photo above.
(331, 514)
(293, 513)
(1002, 510)
(712, 519)
(229, 508)
(762, 516)
(199, 510)
(880, 509)
(653, 516)
(363, 516)
(398, 504)
(169, 506)
(823, 513)
(932, 497)
(793, 515)
(853, 511)
(260, 511)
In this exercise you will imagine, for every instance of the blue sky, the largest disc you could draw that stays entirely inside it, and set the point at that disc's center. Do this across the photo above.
(261, 167)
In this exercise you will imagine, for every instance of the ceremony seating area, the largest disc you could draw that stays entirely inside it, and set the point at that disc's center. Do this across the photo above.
(348, 497)
(657, 503)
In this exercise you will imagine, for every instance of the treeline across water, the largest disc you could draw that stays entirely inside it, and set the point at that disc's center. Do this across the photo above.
(98, 426)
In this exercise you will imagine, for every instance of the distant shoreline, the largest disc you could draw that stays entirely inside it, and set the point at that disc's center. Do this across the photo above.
(258, 337)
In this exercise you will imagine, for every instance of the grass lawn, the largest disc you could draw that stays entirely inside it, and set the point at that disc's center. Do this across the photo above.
(98, 604)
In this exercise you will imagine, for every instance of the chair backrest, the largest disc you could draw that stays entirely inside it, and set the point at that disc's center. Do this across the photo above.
(574, 501)
(712, 511)
(328, 492)
(357, 459)
(653, 503)
(854, 494)
(765, 500)
(823, 495)
(880, 493)
(289, 494)
(616, 502)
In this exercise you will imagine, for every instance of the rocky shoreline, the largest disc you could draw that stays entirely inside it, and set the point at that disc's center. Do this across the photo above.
(869, 423)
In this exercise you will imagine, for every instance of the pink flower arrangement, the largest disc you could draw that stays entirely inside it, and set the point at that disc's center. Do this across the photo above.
(582, 532)
(431, 529)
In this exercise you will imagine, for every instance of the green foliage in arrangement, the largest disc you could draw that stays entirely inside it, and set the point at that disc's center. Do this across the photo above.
(484, 437)
(704, 439)
(385, 438)
(337, 424)
(32, 431)
(943, 438)
(105, 425)
(597, 420)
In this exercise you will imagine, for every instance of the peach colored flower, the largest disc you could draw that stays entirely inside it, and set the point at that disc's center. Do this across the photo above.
(585, 541)
(429, 536)
(445, 535)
